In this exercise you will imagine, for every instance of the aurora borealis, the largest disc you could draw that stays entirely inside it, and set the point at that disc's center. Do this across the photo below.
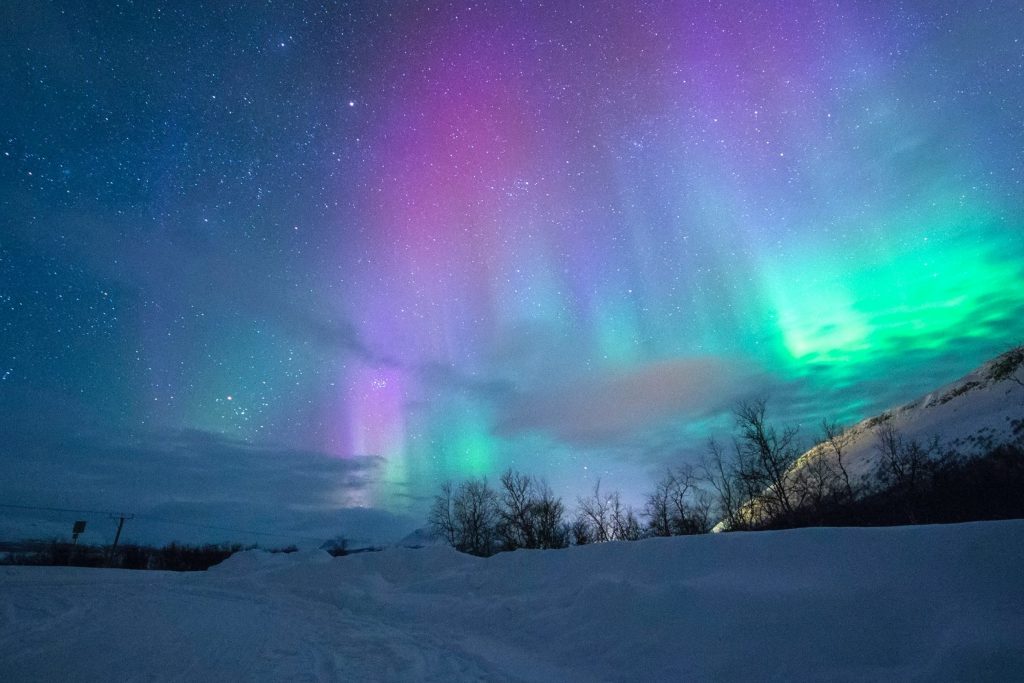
(442, 239)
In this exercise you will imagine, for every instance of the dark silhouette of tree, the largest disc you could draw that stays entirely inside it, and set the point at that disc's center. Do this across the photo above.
(905, 466)
(814, 485)
(579, 531)
(657, 507)
(516, 524)
(625, 526)
(441, 517)
(765, 457)
(466, 516)
(549, 519)
(678, 506)
(529, 514)
(593, 512)
(720, 473)
(1006, 366)
(605, 518)
(835, 439)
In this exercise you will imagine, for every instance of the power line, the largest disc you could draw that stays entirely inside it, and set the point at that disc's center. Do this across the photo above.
(36, 507)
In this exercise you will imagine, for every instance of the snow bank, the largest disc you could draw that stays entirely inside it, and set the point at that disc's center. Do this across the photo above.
(909, 603)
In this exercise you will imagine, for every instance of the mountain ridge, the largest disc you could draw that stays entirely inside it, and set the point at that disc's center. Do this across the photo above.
(971, 415)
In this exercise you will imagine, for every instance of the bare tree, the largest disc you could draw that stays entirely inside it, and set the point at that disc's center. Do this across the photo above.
(594, 511)
(1006, 366)
(579, 530)
(721, 475)
(516, 525)
(466, 517)
(656, 509)
(530, 515)
(441, 517)
(905, 465)
(677, 506)
(889, 444)
(476, 509)
(701, 513)
(624, 523)
(549, 519)
(690, 506)
(605, 518)
(836, 439)
(765, 458)
(814, 483)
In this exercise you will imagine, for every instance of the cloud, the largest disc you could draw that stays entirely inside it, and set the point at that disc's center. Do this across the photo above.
(617, 405)
(193, 485)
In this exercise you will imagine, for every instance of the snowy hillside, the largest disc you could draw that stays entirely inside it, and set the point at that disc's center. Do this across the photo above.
(971, 415)
(905, 603)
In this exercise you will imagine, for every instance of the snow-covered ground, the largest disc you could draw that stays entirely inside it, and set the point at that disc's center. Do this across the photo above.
(907, 603)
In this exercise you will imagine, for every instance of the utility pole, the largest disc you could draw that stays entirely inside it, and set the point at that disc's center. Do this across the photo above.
(120, 517)
(77, 529)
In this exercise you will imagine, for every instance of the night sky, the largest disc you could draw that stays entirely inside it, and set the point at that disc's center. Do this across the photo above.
(263, 263)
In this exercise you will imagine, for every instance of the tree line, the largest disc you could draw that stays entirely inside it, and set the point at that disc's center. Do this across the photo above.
(763, 479)
(177, 557)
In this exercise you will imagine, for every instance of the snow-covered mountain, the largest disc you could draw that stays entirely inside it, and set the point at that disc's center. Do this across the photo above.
(977, 412)
(420, 538)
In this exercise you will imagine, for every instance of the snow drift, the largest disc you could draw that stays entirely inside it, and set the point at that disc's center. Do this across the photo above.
(904, 603)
